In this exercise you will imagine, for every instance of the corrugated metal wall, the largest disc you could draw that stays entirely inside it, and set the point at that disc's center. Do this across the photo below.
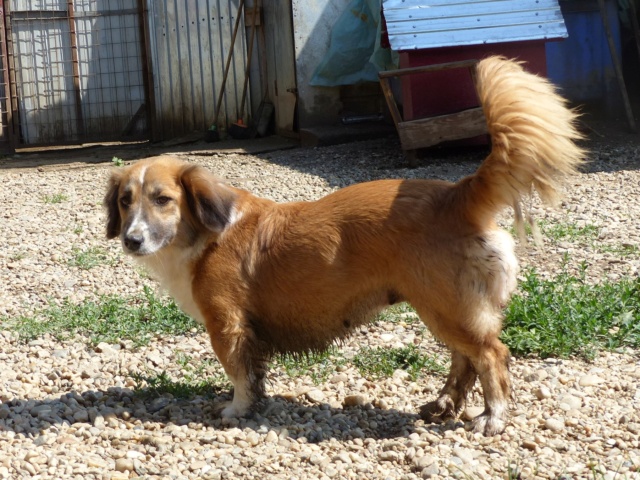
(79, 73)
(189, 44)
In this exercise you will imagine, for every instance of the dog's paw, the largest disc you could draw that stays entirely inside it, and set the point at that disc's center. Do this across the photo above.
(229, 410)
(489, 425)
(438, 411)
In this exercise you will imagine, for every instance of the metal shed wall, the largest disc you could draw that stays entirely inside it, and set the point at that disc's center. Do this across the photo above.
(417, 24)
(189, 44)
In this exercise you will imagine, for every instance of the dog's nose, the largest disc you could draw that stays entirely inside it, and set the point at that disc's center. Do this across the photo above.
(133, 242)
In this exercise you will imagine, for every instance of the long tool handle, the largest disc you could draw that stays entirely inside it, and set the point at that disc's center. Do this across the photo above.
(249, 55)
(226, 67)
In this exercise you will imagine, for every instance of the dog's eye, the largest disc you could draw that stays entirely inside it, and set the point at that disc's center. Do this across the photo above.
(125, 202)
(162, 200)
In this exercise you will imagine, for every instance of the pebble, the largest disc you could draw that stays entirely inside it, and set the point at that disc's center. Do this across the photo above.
(542, 392)
(590, 380)
(355, 401)
(315, 395)
(554, 424)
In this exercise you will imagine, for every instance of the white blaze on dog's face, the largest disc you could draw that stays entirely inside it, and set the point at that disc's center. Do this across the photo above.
(159, 202)
(149, 204)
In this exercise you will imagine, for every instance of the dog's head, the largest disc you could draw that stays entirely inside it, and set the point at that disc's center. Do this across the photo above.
(163, 201)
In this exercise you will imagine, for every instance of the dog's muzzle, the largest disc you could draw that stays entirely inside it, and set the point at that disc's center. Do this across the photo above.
(133, 242)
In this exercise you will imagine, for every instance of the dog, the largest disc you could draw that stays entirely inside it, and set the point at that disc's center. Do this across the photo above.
(267, 278)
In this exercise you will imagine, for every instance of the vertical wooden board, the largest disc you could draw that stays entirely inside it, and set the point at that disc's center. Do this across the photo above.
(281, 63)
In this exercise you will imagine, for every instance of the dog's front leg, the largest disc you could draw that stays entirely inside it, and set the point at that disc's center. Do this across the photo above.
(246, 368)
(242, 398)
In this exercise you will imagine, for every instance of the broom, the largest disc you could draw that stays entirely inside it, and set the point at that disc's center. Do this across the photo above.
(239, 130)
(212, 135)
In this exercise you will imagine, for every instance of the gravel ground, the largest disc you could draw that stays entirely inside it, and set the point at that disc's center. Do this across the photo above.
(67, 409)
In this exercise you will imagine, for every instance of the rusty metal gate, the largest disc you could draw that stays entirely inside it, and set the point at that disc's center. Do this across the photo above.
(75, 70)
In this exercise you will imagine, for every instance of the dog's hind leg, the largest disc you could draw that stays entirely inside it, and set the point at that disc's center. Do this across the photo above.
(452, 398)
(492, 362)
(476, 352)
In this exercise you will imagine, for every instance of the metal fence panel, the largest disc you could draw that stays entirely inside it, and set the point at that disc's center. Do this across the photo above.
(78, 70)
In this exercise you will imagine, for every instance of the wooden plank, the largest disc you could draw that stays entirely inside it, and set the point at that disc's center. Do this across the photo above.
(391, 102)
(427, 68)
(426, 132)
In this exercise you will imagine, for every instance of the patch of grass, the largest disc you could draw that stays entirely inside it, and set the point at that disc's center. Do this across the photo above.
(198, 378)
(108, 319)
(399, 313)
(55, 198)
(153, 384)
(569, 231)
(89, 258)
(318, 365)
(381, 362)
(18, 256)
(623, 250)
(118, 162)
(565, 316)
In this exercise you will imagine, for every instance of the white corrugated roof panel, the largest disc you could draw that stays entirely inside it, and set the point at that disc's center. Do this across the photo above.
(417, 24)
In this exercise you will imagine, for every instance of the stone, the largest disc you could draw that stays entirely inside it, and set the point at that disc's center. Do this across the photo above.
(124, 465)
(554, 424)
(355, 401)
(590, 380)
(542, 392)
(315, 395)
(423, 461)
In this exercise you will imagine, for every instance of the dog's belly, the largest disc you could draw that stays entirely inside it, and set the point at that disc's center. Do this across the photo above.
(316, 327)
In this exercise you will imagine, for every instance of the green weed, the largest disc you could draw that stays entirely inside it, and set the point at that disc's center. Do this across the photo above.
(89, 258)
(318, 365)
(55, 198)
(153, 384)
(569, 231)
(107, 319)
(565, 316)
(381, 362)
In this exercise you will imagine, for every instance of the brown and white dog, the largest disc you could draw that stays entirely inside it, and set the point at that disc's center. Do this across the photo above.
(267, 278)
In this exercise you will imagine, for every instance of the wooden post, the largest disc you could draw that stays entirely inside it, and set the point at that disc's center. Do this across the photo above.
(617, 66)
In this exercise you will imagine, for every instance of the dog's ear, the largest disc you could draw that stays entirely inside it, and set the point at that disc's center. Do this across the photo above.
(110, 202)
(209, 200)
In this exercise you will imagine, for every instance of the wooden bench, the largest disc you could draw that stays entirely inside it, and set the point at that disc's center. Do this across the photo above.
(428, 131)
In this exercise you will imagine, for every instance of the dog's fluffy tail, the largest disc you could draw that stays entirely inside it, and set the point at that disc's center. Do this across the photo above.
(533, 135)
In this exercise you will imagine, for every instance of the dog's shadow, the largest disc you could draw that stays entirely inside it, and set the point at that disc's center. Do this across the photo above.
(121, 408)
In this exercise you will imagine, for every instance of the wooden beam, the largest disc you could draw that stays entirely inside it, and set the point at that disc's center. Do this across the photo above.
(426, 132)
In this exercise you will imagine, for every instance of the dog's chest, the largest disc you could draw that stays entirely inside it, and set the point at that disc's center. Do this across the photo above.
(175, 275)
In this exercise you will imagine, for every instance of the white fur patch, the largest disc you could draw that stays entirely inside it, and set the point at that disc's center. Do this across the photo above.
(241, 399)
(235, 216)
(505, 282)
(173, 271)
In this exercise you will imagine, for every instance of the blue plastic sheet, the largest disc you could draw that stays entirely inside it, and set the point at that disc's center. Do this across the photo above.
(355, 54)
